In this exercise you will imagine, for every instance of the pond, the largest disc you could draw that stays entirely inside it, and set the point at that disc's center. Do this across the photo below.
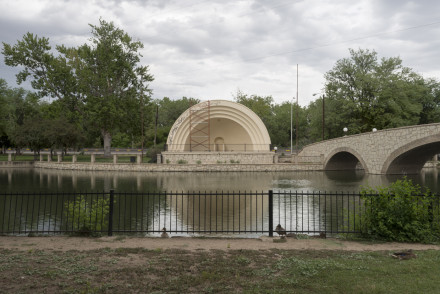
(47, 180)
(244, 213)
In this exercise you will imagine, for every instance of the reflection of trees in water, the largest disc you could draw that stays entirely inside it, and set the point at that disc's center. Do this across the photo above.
(185, 212)
(25, 213)
(189, 212)
(315, 211)
(220, 212)
(138, 212)
(182, 212)
(230, 181)
(48, 180)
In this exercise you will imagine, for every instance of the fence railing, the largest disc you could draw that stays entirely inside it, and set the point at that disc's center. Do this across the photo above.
(184, 213)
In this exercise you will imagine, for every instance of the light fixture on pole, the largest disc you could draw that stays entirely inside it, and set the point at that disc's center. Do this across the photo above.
(345, 131)
(374, 130)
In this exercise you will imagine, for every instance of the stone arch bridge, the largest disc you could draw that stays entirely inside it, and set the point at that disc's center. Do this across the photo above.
(402, 150)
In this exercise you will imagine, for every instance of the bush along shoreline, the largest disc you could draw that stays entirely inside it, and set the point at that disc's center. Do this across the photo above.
(402, 212)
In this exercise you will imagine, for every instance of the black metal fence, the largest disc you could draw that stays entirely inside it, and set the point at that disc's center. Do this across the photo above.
(184, 213)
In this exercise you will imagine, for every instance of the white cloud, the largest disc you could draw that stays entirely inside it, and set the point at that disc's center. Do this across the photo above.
(209, 49)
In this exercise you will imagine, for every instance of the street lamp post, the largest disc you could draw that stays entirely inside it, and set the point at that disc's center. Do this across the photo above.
(323, 116)
(291, 126)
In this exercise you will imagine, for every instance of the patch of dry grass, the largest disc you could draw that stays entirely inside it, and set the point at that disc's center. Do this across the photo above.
(127, 270)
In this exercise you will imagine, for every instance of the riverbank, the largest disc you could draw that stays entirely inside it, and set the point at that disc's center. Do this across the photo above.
(192, 265)
(145, 167)
(8, 164)
(63, 243)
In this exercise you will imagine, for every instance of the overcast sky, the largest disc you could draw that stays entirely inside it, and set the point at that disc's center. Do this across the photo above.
(210, 49)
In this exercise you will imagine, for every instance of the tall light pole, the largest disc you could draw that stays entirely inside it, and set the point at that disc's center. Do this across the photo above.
(323, 116)
(297, 108)
(291, 125)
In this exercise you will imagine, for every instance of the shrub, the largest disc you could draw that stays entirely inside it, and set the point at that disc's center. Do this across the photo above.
(86, 216)
(199, 162)
(153, 152)
(181, 161)
(400, 212)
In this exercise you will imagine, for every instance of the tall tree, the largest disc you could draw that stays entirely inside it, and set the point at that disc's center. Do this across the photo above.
(169, 111)
(101, 82)
(262, 106)
(110, 78)
(282, 125)
(370, 93)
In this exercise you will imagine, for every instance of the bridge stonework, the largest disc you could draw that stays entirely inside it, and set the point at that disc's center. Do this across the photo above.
(392, 151)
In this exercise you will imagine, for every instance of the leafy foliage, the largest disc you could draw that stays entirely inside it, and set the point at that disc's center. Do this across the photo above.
(87, 215)
(369, 93)
(100, 84)
(102, 96)
(400, 212)
(277, 118)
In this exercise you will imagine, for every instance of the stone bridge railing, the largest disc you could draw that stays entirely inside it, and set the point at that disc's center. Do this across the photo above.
(377, 151)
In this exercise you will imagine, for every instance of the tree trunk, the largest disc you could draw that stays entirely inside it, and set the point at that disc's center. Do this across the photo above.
(107, 142)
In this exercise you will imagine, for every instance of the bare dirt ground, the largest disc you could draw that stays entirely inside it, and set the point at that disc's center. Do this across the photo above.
(61, 243)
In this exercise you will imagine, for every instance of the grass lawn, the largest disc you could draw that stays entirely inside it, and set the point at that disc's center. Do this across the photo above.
(4, 157)
(127, 270)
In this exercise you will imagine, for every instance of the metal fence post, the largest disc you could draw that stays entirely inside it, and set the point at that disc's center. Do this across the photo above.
(110, 213)
(270, 213)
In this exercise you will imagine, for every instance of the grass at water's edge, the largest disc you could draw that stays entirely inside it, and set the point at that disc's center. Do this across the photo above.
(182, 271)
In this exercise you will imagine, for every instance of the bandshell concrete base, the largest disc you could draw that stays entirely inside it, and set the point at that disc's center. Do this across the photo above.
(218, 157)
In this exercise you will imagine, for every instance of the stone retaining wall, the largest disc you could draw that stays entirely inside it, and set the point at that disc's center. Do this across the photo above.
(178, 167)
(8, 164)
(218, 157)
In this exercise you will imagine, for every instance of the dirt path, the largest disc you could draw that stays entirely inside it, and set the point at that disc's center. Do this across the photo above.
(264, 243)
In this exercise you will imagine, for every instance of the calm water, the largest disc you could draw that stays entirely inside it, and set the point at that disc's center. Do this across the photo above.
(309, 213)
(45, 180)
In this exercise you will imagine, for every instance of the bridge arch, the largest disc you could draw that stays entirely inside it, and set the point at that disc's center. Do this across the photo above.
(344, 158)
(410, 158)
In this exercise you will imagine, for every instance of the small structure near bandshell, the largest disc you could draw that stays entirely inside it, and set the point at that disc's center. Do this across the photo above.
(218, 132)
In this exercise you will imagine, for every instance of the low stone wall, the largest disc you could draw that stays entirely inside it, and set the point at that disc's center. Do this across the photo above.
(8, 164)
(218, 157)
(178, 167)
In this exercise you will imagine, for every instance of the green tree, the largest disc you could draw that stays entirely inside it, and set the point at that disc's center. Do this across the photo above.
(20, 106)
(276, 118)
(101, 83)
(284, 117)
(3, 114)
(400, 212)
(168, 112)
(62, 134)
(262, 106)
(31, 134)
(110, 78)
(430, 101)
(370, 93)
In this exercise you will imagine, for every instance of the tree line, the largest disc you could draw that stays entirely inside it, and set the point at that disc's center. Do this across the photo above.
(98, 95)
